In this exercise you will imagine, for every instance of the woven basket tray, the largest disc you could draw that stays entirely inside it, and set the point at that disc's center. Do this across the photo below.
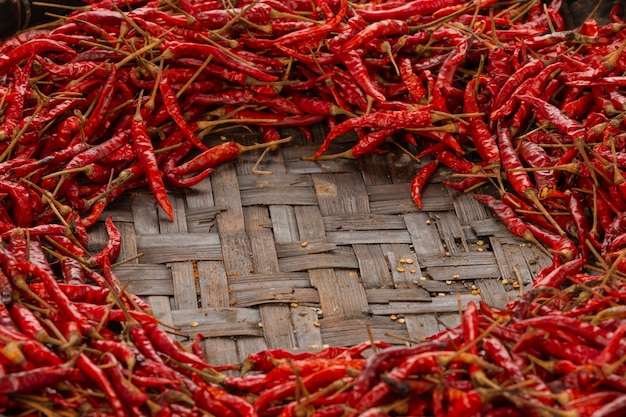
(315, 253)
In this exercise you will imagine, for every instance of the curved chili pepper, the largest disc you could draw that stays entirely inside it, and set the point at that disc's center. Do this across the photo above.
(173, 108)
(144, 152)
(484, 140)
(378, 29)
(443, 82)
(112, 249)
(380, 119)
(506, 214)
(186, 49)
(532, 68)
(406, 10)
(38, 378)
(419, 181)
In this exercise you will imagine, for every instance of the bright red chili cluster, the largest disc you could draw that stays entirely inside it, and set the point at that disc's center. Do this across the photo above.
(122, 94)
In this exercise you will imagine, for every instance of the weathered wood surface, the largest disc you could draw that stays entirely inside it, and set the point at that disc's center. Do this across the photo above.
(315, 253)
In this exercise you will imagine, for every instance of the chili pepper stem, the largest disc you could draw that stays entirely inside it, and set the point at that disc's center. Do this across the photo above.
(347, 154)
(246, 148)
(531, 194)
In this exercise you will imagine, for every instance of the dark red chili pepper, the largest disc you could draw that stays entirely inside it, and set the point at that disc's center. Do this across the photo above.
(173, 108)
(516, 176)
(92, 371)
(404, 11)
(380, 119)
(31, 48)
(536, 157)
(93, 127)
(561, 121)
(240, 96)
(315, 31)
(532, 68)
(112, 249)
(131, 395)
(39, 378)
(15, 109)
(419, 181)
(203, 51)
(22, 212)
(56, 293)
(97, 152)
(506, 214)
(144, 152)
(376, 30)
(345, 90)
(443, 82)
(484, 140)
(559, 244)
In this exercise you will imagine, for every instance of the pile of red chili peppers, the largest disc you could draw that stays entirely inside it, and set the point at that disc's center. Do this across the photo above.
(123, 94)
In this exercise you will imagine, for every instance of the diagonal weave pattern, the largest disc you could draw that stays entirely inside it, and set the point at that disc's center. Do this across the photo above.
(315, 253)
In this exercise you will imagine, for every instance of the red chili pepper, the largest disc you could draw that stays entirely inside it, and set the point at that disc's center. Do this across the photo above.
(144, 152)
(561, 121)
(173, 108)
(536, 157)
(210, 158)
(419, 181)
(31, 48)
(484, 140)
(516, 176)
(311, 382)
(376, 30)
(588, 332)
(443, 82)
(38, 379)
(93, 372)
(57, 295)
(373, 366)
(166, 345)
(128, 393)
(315, 31)
(404, 11)
(560, 245)
(203, 51)
(112, 249)
(241, 96)
(507, 215)
(380, 119)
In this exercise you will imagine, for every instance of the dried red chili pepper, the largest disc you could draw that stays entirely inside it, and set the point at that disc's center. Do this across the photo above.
(144, 151)
(419, 181)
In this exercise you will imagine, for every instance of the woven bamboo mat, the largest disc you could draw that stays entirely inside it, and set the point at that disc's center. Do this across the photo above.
(315, 253)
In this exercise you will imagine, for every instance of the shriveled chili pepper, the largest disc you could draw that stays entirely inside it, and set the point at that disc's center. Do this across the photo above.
(144, 151)
(381, 119)
(419, 181)
(186, 49)
(404, 11)
(506, 214)
(380, 28)
(562, 122)
(38, 378)
(171, 103)
(315, 31)
(446, 72)
(484, 140)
